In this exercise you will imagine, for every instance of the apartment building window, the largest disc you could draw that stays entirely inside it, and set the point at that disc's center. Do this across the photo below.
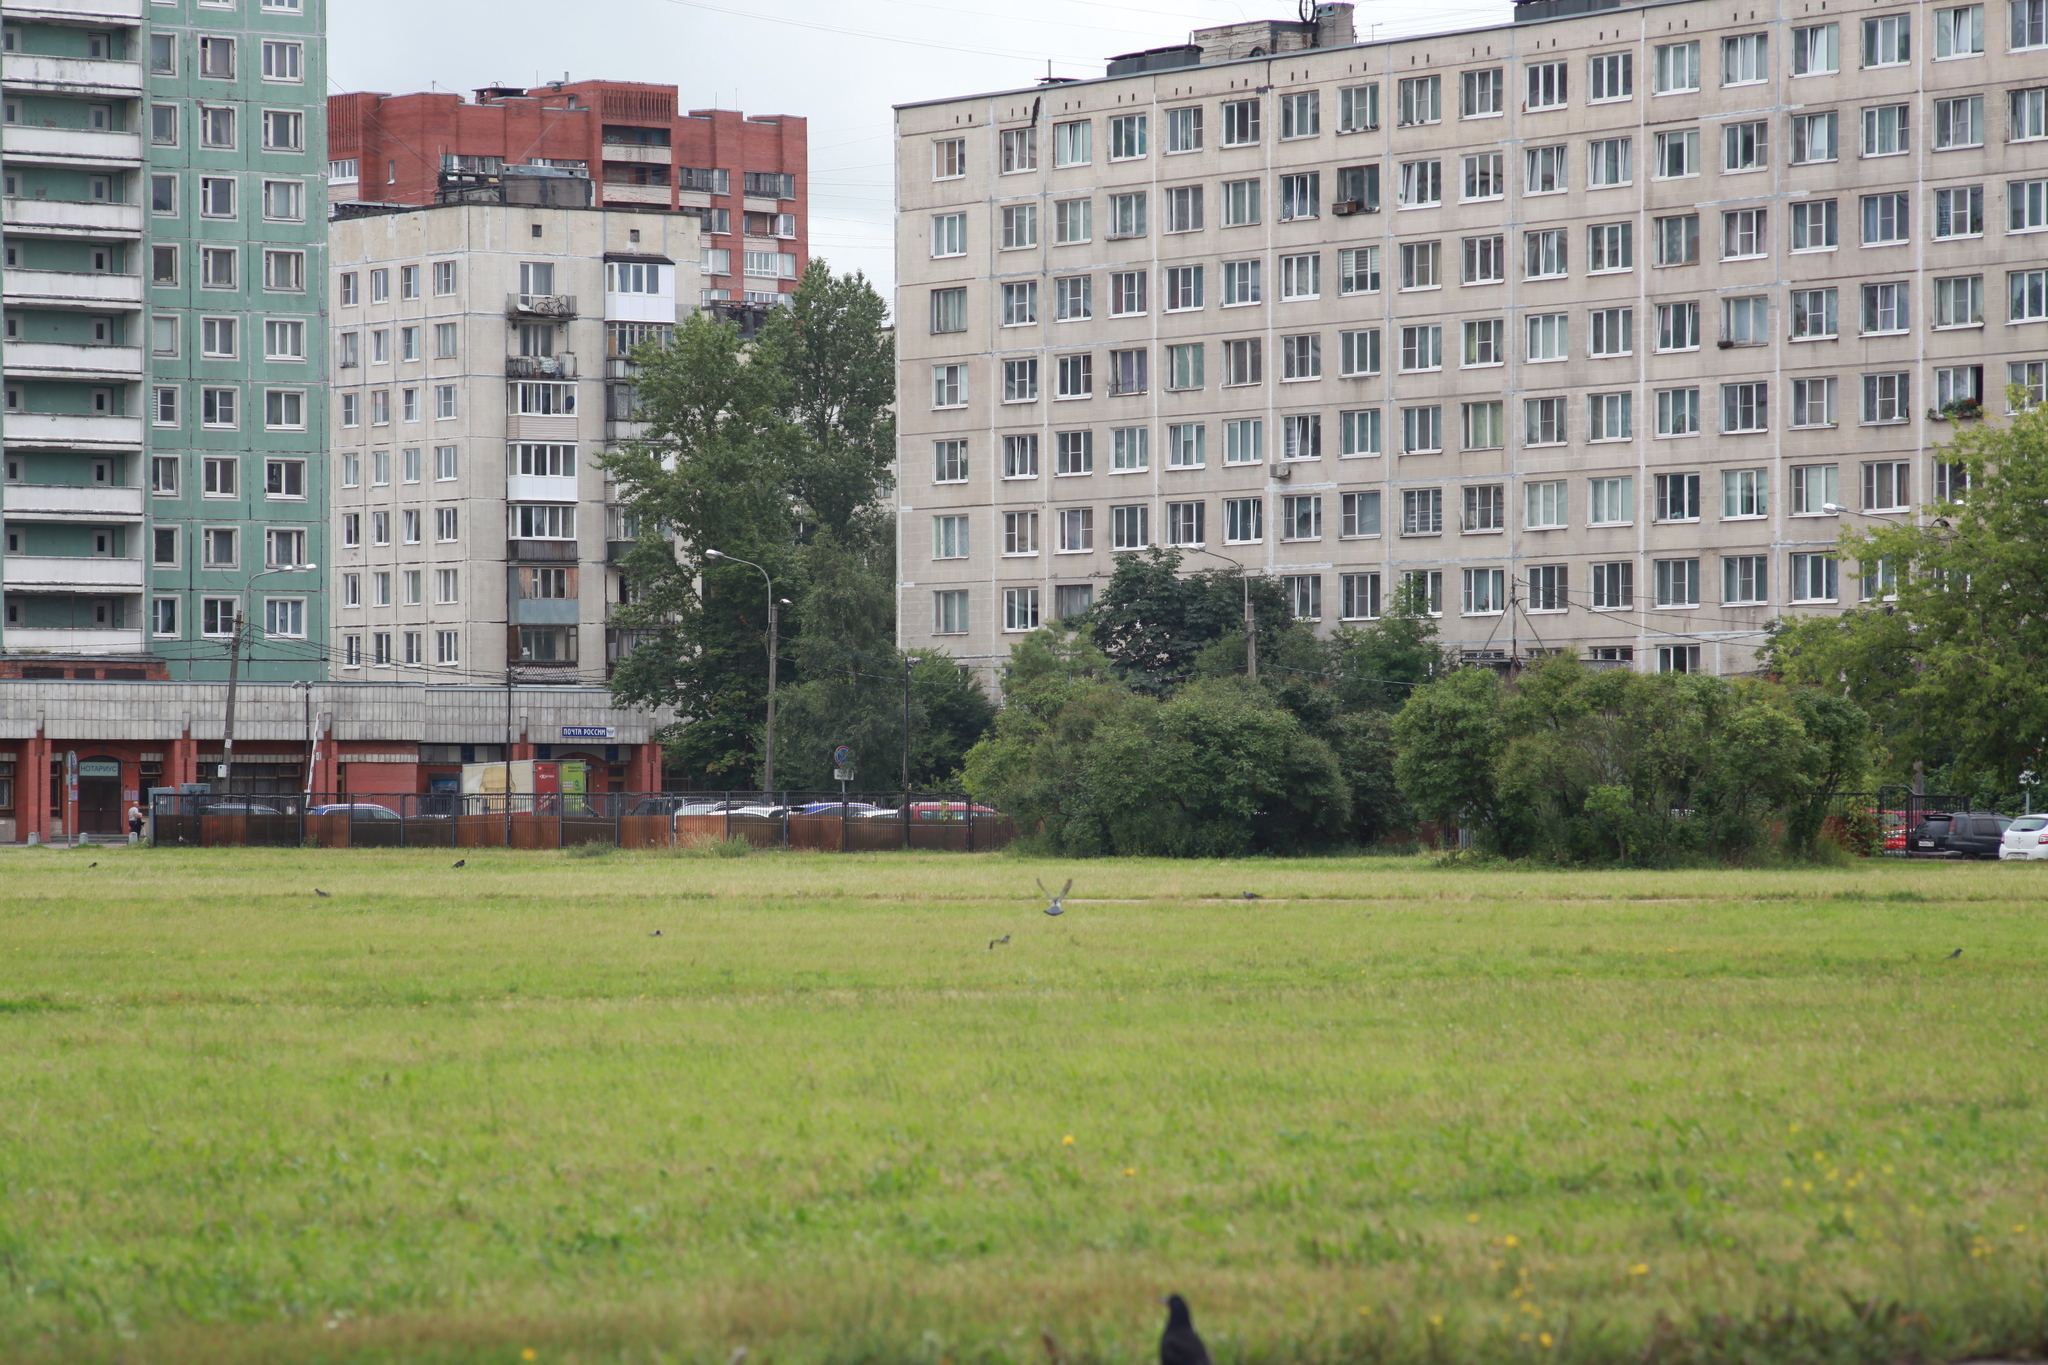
(1075, 528)
(1612, 77)
(1485, 592)
(1485, 507)
(1745, 59)
(1886, 130)
(164, 406)
(1300, 115)
(1020, 225)
(1126, 216)
(1610, 162)
(1813, 314)
(1422, 512)
(1815, 489)
(1422, 348)
(1814, 225)
(1613, 332)
(1183, 209)
(949, 612)
(1243, 362)
(1610, 417)
(1951, 482)
(446, 521)
(1745, 407)
(219, 547)
(1745, 234)
(949, 158)
(1301, 357)
(1422, 430)
(1545, 505)
(1677, 68)
(1745, 493)
(284, 410)
(1814, 138)
(1886, 398)
(1243, 521)
(1814, 578)
(1544, 170)
(1678, 658)
(1358, 107)
(216, 196)
(2029, 24)
(217, 126)
(1543, 421)
(1887, 40)
(1959, 301)
(1020, 301)
(1546, 85)
(1359, 353)
(1301, 517)
(1485, 259)
(1485, 342)
(1020, 381)
(1678, 326)
(1073, 452)
(1183, 288)
(1018, 150)
(1187, 445)
(1073, 299)
(1421, 184)
(1884, 219)
(1184, 366)
(1887, 486)
(216, 267)
(1300, 196)
(1678, 582)
(1482, 94)
(1361, 594)
(1544, 254)
(284, 272)
(1485, 176)
(1614, 586)
(1240, 123)
(444, 463)
(1678, 412)
(1128, 372)
(284, 131)
(1959, 212)
(1886, 308)
(1817, 50)
(1072, 143)
(2028, 114)
(1418, 100)
(1359, 515)
(949, 310)
(1678, 240)
(1813, 402)
(1127, 137)
(1358, 190)
(949, 234)
(218, 408)
(1358, 432)
(1183, 130)
(1074, 376)
(1745, 320)
(1244, 441)
(1549, 337)
(1130, 449)
(2026, 205)
(1959, 122)
(2027, 295)
(1020, 609)
(1421, 265)
(949, 386)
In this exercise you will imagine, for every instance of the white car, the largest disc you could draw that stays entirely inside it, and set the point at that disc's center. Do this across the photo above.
(2025, 837)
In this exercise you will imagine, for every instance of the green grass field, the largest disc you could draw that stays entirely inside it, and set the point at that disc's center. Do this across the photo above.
(1391, 1112)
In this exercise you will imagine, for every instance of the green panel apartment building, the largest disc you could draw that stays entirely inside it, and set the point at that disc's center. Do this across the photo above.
(165, 337)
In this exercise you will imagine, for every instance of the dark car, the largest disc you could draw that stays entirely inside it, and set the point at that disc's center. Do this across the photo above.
(1960, 834)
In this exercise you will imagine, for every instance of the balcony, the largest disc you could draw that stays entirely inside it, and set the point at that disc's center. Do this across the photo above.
(635, 194)
(540, 367)
(539, 488)
(615, 551)
(64, 502)
(90, 640)
(72, 218)
(91, 291)
(67, 573)
(66, 360)
(633, 151)
(115, 12)
(545, 611)
(540, 305)
(80, 77)
(73, 431)
(72, 147)
(536, 551)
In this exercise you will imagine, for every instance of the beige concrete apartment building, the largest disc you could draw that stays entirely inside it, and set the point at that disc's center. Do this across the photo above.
(479, 370)
(1608, 323)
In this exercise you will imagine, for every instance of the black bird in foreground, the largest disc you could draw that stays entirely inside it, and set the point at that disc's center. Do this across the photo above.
(1055, 908)
(318, 892)
(460, 861)
(994, 943)
(1953, 956)
(1180, 1344)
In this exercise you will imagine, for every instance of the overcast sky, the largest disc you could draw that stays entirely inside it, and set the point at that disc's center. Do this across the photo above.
(841, 64)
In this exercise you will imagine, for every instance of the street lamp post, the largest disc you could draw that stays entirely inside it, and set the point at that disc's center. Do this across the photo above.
(1251, 626)
(774, 642)
(226, 772)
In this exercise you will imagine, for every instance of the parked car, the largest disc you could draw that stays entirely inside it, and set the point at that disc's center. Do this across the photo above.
(947, 810)
(359, 811)
(856, 808)
(2026, 837)
(239, 808)
(1961, 834)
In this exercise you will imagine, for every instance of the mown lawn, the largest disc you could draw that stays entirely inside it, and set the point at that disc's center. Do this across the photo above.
(1388, 1112)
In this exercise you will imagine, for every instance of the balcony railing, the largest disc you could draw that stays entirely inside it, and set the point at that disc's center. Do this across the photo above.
(542, 551)
(540, 367)
(541, 305)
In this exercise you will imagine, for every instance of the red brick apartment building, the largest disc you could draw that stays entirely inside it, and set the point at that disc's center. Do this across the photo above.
(745, 177)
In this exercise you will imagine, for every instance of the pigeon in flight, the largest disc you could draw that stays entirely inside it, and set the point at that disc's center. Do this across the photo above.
(1180, 1344)
(459, 862)
(321, 894)
(995, 943)
(1055, 908)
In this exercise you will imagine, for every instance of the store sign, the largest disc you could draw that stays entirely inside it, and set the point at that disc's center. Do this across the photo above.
(99, 767)
(590, 732)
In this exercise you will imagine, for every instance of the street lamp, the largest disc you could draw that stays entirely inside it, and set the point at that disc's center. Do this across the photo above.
(227, 742)
(768, 748)
(1251, 638)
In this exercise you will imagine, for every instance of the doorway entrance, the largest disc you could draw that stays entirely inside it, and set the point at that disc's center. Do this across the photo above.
(99, 806)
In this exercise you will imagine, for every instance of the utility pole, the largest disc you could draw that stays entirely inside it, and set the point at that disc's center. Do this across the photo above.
(508, 756)
(774, 650)
(1251, 634)
(303, 686)
(227, 740)
(908, 663)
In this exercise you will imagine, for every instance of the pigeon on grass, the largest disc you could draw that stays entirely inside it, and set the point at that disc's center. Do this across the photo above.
(1180, 1344)
(460, 862)
(321, 894)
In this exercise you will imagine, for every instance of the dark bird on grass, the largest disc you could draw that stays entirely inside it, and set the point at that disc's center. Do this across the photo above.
(1253, 896)
(1053, 1354)
(995, 943)
(1180, 1344)
(1953, 956)
(1056, 908)
(318, 892)
(92, 864)
(655, 934)
(459, 862)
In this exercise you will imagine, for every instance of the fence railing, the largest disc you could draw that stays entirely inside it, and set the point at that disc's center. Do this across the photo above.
(867, 822)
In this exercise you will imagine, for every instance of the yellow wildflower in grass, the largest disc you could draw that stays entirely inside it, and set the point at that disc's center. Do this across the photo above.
(1639, 1269)
(1130, 1170)
(1365, 1310)
(1788, 1182)
(1544, 1338)
(1067, 1141)
(1471, 1217)
(1511, 1240)
(1795, 1128)
(528, 1354)
(1436, 1319)
(1525, 1338)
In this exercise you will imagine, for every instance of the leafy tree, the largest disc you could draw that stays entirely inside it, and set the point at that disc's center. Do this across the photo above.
(1152, 622)
(1447, 740)
(1953, 670)
(1380, 665)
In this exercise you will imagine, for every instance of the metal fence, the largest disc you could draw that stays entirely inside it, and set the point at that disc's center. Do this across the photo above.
(825, 821)
(1886, 823)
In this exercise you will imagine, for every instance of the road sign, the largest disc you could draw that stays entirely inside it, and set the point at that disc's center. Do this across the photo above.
(843, 757)
(842, 774)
